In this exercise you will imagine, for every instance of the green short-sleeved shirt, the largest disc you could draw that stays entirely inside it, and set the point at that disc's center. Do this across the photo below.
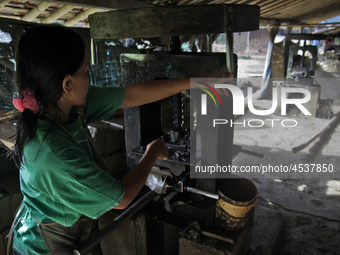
(59, 178)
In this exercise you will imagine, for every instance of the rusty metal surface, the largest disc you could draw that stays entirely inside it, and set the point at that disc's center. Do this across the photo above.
(229, 222)
(173, 21)
(237, 200)
(210, 245)
(226, 221)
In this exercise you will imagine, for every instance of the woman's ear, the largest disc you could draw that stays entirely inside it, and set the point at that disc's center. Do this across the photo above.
(66, 84)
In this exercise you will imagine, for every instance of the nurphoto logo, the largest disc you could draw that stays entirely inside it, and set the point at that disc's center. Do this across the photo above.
(239, 99)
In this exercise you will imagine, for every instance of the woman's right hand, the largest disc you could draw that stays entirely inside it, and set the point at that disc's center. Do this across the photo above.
(135, 179)
(158, 148)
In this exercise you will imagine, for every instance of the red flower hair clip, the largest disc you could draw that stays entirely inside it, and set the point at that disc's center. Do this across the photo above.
(28, 102)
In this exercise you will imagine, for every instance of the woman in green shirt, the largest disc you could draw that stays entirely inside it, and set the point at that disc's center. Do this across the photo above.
(63, 187)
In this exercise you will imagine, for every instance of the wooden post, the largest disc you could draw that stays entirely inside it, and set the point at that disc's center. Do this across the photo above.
(248, 43)
(300, 32)
(309, 31)
(59, 13)
(94, 56)
(80, 16)
(286, 49)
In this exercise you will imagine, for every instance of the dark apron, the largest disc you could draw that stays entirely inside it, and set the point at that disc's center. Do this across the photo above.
(61, 240)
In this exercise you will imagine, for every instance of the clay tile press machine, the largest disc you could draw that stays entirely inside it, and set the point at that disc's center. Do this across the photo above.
(182, 219)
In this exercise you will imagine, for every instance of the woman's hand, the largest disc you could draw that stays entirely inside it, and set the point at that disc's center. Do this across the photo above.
(158, 148)
(220, 76)
(135, 179)
(223, 72)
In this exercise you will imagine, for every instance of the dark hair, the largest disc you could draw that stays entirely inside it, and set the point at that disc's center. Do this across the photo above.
(44, 56)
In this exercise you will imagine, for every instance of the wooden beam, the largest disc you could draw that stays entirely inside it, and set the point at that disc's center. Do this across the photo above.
(57, 14)
(252, 2)
(264, 2)
(306, 36)
(4, 2)
(293, 23)
(212, 2)
(336, 30)
(242, 1)
(12, 17)
(104, 4)
(32, 14)
(309, 9)
(180, 2)
(327, 30)
(14, 11)
(7, 25)
(318, 24)
(80, 16)
(272, 4)
(321, 14)
(279, 22)
(280, 7)
(193, 1)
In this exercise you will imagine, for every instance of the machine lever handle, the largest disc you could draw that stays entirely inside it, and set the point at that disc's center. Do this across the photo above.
(204, 193)
(88, 244)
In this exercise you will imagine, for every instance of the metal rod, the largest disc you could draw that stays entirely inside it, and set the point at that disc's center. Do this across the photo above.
(303, 56)
(90, 243)
(204, 193)
(222, 238)
(177, 112)
(94, 56)
(209, 43)
(228, 12)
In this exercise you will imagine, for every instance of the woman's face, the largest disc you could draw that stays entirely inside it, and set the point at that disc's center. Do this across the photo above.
(81, 83)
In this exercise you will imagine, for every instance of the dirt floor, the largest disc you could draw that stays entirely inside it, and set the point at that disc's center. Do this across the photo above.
(308, 204)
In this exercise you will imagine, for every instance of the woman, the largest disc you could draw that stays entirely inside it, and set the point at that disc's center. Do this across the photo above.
(63, 185)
